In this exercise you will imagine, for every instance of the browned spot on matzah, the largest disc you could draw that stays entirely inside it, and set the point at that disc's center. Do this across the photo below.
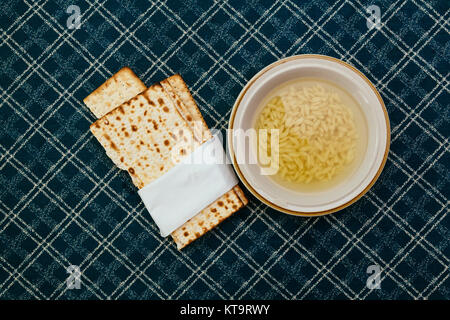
(150, 102)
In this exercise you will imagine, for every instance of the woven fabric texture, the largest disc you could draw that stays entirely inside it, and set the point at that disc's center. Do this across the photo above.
(63, 202)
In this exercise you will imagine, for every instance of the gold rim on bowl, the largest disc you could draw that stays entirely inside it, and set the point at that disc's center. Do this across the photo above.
(236, 165)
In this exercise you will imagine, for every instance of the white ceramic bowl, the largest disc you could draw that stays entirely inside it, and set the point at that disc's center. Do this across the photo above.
(372, 107)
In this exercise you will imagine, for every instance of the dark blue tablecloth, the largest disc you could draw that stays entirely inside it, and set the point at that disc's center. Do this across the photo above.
(63, 202)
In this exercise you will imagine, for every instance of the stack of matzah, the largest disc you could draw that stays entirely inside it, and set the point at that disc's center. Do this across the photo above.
(139, 128)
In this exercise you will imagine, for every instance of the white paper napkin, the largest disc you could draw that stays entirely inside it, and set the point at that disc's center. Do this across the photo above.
(189, 187)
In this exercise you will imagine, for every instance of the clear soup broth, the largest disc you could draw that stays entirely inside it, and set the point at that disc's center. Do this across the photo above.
(322, 134)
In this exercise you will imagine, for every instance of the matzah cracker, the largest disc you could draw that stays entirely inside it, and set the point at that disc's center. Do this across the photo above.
(193, 115)
(186, 105)
(140, 134)
(131, 156)
(118, 89)
(207, 219)
(223, 207)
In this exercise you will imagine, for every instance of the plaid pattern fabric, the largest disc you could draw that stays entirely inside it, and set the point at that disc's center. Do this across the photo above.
(63, 202)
